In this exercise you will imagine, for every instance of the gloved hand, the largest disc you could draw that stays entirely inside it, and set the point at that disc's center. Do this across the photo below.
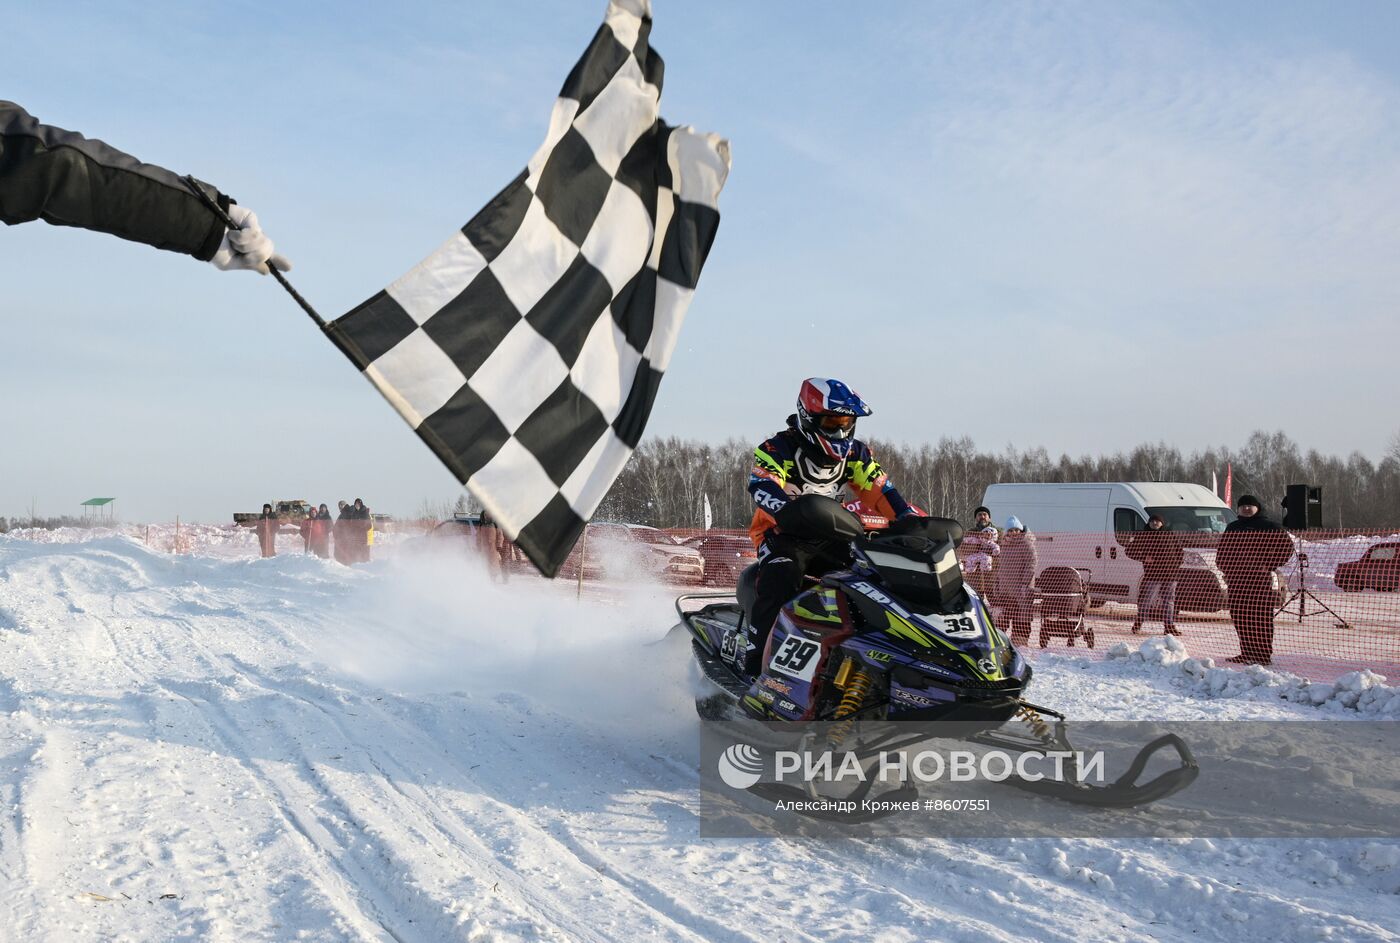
(248, 246)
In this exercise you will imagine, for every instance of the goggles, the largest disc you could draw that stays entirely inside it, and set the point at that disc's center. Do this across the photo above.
(833, 422)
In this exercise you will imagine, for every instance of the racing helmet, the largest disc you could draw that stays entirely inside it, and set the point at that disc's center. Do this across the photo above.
(827, 411)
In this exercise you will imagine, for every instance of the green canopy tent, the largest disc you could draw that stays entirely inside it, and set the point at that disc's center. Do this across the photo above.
(93, 507)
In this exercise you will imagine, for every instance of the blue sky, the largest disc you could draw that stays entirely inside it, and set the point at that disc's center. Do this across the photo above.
(1076, 225)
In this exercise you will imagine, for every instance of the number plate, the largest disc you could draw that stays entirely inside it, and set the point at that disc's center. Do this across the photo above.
(959, 626)
(796, 658)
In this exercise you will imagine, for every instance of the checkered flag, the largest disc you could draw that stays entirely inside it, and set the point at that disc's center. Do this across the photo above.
(527, 350)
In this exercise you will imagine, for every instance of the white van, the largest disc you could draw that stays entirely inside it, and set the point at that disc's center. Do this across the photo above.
(1086, 525)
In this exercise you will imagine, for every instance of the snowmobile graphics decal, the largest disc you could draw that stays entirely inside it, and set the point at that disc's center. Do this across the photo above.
(904, 628)
(776, 685)
(735, 647)
(959, 626)
(829, 612)
(926, 631)
(919, 700)
(932, 669)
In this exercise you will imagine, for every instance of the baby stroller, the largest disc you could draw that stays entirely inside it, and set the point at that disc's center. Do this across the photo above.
(1064, 598)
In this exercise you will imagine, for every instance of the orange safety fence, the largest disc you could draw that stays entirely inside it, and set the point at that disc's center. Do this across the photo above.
(1315, 603)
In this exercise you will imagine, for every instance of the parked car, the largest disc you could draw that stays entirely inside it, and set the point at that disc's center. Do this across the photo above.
(726, 556)
(460, 527)
(625, 550)
(1378, 569)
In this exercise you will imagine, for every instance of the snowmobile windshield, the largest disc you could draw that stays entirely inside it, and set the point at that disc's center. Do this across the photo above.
(921, 571)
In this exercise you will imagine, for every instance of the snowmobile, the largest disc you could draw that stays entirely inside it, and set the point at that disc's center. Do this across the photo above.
(892, 633)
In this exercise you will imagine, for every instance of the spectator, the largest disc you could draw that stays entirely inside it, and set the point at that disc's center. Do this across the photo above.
(1015, 579)
(66, 179)
(267, 531)
(979, 547)
(321, 532)
(982, 519)
(1159, 551)
(363, 534)
(344, 538)
(304, 528)
(1251, 548)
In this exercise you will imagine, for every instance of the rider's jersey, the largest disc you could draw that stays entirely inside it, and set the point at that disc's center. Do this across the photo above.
(784, 469)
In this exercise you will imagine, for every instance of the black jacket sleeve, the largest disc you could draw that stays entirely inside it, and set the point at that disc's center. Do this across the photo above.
(1279, 549)
(63, 178)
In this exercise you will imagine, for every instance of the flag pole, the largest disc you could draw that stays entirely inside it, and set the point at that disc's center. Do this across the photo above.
(281, 279)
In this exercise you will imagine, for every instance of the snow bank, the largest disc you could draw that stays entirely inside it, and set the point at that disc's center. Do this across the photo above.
(1362, 691)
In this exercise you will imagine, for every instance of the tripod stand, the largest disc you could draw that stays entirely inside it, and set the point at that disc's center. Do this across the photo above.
(1302, 594)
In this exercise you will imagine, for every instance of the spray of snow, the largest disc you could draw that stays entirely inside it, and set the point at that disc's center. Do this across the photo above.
(434, 621)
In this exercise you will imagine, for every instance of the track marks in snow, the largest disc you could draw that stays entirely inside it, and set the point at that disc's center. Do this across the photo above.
(172, 730)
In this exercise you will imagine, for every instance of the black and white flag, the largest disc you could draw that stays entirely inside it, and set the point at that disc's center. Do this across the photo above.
(527, 350)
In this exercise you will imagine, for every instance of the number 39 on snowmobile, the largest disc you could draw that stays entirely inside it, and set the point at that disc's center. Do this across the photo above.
(894, 634)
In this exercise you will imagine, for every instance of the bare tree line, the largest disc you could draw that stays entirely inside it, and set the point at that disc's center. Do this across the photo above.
(667, 480)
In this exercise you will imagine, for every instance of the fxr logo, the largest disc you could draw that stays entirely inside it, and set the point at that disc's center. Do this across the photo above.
(768, 502)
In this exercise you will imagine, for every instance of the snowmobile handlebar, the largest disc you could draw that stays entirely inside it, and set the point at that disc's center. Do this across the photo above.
(817, 517)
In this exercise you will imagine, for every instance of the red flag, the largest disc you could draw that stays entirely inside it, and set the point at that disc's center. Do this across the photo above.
(1229, 481)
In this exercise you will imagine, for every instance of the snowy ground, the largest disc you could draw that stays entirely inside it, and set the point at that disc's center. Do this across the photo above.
(215, 747)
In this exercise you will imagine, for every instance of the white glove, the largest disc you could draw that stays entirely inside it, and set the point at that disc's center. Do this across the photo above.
(248, 246)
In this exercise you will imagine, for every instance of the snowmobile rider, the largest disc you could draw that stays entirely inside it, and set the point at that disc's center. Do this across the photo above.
(66, 179)
(817, 453)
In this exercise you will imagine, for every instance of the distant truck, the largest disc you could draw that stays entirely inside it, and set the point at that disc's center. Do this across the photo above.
(1088, 524)
(288, 512)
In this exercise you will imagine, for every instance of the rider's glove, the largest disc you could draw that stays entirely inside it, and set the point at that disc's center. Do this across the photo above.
(248, 246)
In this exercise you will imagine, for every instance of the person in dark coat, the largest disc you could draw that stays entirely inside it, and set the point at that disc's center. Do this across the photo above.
(320, 540)
(1160, 553)
(1251, 548)
(267, 531)
(344, 538)
(66, 179)
(1015, 579)
(364, 523)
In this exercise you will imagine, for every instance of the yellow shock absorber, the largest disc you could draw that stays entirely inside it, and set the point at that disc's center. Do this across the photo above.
(1036, 722)
(851, 701)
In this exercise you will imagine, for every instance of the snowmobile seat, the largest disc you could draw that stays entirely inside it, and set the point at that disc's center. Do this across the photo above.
(747, 590)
